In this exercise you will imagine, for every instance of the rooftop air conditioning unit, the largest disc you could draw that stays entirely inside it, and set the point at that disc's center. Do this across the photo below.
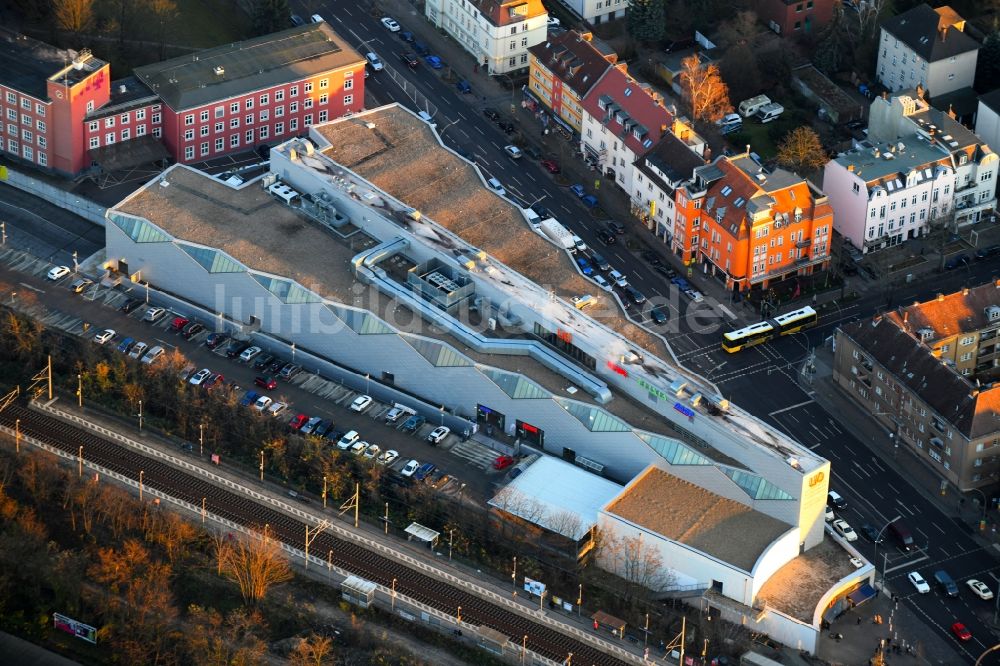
(219, 71)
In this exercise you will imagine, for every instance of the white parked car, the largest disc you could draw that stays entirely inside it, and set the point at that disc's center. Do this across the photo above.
(249, 353)
(841, 527)
(496, 187)
(374, 61)
(200, 376)
(348, 439)
(138, 349)
(410, 468)
(513, 151)
(601, 282)
(390, 24)
(438, 434)
(618, 279)
(359, 447)
(918, 582)
(153, 355)
(277, 409)
(361, 403)
(828, 514)
(59, 272)
(104, 336)
(154, 314)
(694, 295)
(372, 451)
(388, 457)
(262, 403)
(980, 589)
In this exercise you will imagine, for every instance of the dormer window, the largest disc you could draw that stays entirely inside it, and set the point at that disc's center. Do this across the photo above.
(726, 190)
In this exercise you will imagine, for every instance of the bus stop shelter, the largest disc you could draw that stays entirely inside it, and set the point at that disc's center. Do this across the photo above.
(611, 623)
(417, 532)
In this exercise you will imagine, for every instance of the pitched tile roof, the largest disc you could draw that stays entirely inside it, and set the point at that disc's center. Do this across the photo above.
(933, 34)
(627, 103)
(574, 59)
(671, 157)
(507, 12)
(893, 342)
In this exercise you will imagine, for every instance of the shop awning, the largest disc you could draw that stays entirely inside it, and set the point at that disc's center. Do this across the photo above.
(862, 594)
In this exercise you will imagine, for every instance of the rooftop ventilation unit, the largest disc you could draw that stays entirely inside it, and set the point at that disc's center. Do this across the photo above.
(925, 334)
(993, 313)
(219, 71)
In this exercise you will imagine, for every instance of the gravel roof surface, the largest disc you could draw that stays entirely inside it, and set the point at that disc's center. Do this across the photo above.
(686, 513)
(797, 587)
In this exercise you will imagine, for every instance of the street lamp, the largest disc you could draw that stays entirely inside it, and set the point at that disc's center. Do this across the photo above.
(579, 602)
(201, 439)
(76, 266)
(992, 649)
(141, 474)
(393, 594)
(262, 465)
(293, 352)
(982, 522)
(79, 390)
(140, 415)
(324, 491)
(441, 409)
(368, 383)
(3, 231)
(451, 534)
(878, 538)
(459, 615)
(513, 578)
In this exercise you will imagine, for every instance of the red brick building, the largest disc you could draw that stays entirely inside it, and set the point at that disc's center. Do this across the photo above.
(62, 112)
(795, 17)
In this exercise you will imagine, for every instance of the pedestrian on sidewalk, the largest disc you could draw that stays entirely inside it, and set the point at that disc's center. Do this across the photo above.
(859, 619)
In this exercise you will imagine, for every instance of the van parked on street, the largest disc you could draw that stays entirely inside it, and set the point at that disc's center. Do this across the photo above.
(901, 533)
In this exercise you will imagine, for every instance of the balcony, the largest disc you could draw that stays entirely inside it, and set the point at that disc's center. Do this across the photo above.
(988, 354)
(806, 242)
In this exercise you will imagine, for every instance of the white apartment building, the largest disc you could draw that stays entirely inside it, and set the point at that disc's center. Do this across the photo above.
(658, 174)
(926, 47)
(598, 11)
(498, 33)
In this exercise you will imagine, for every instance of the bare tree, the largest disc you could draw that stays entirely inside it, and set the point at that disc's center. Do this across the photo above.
(256, 564)
(75, 16)
(801, 150)
(705, 91)
(312, 651)
(230, 641)
(638, 564)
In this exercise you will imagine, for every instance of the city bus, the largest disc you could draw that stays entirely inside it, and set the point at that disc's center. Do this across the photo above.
(761, 332)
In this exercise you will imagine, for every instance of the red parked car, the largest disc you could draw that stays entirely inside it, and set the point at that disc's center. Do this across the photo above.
(961, 632)
(550, 166)
(179, 323)
(503, 462)
(297, 422)
(268, 383)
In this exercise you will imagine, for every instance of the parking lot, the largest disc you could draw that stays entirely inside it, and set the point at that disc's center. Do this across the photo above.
(460, 467)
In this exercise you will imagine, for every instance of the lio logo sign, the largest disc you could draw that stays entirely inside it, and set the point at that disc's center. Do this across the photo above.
(816, 479)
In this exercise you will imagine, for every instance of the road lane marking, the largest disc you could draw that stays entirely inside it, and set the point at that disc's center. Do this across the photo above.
(788, 409)
(28, 286)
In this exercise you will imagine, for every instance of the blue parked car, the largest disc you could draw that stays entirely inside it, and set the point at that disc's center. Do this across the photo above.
(406, 36)
(249, 398)
(424, 471)
(590, 201)
(578, 190)
(434, 62)
(681, 283)
(421, 49)
(585, 266)
(126, 345)
(464, 87)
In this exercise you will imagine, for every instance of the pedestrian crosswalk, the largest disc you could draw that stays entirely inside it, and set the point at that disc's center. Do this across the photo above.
(474, 453)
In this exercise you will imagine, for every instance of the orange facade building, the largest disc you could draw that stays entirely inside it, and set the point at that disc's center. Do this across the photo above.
(749, 226)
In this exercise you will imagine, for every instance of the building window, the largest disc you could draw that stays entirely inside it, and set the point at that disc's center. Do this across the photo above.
(323, 116)
(156, 121)
(43, 159)
(348, 100)
(307, 103)
(293, 124)
(220, 127)
(307, 120)
(307, 87)
(279, 111)
(203, 116)
(204, 130)
(220, 111)
(262, 132)
(126, 135)
(324, 84)
(234, 123)
(90, 106)
(967, 340)
(965, 357)
(248, 102)
(279, 129)
(293, 91)
(234, 140)
(249, 138)
(157, 132)
(323, 99)
(189, 119)
(234, 107)
(264, 99)
(109, 121)
(279, 95)
(264, 116)
(248, 120)
(95, 142)
(189, 153)
(220, 144)
(204, 148)
(293, 107)
(141, 130)
(109, 138)
(189, 135)
(94, 126)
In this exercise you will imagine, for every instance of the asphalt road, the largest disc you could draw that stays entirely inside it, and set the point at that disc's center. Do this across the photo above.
(763, 379)
(45, 230)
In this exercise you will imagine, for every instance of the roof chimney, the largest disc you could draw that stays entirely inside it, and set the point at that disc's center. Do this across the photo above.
(944, 33)
(965, 291)
(850, 167)
(906, 316)
(940, 297)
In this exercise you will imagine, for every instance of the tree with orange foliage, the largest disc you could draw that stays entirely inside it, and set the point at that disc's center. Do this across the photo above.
(704, 90)
(255, 563)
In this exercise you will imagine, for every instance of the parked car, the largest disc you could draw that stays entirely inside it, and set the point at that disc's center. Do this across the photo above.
(322, 427)
(372, 451)
(191, 330)
(694, 295)
(585, 266)
(153, 355)
(393, 415)
(262, 403)
(277, 409)
(198, 378)
(438, 434)
(262, 361)
(130, 305)
(348, 439)
(138, 349)
(268, 383)
(406, 36)
(532, 152)
(410, 468)
(600, 262)
(388, 457)
(374, 61)
(420, 48)
(918, 582)
(961, 632)
(494, 185)
(125, 345)
(985, 252)
(104, 336)
(249, 398)
(390, 24)
(310, 425)
(870, 532)
(606, 237)
(464, 87)
(658, 315)
(433, 62)
(635, 295)
(80, 284)
(589, 201)
(249, 353)
(616, 227)
(550, 165)
(58, 272)
(413, 423)
(288, 371)
(503, 462)
(214, 382)
(578, 190)
(980, 589)
(956, 262)
(601, 282)
(841, 527)
(424, 471)
(154, 315)
(665, 270)
(179, 323)
(409, 59)
(216, 340)
(236, 347)
(361, 403)
(505, 127)
(297, 421)
(359, 447)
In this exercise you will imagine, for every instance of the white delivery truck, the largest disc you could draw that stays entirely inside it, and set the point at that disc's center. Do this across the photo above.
(557, 233)
(749, 107)
(769, 112)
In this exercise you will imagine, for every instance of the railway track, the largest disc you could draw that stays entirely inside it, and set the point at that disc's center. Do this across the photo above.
(347, 555)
